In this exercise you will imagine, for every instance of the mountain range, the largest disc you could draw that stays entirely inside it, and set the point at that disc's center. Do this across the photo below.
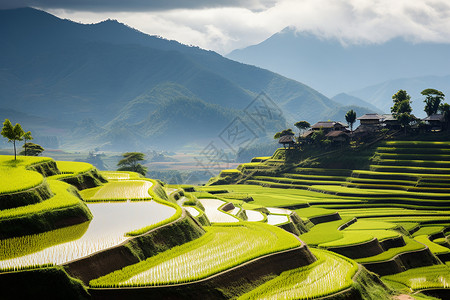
(123, 89)
(358, 70)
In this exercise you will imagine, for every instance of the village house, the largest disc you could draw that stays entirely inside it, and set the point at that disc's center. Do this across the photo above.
(287, 140)
(435, 122)
(328, 126)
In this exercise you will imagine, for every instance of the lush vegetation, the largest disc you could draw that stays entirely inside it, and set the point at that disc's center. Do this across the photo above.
(331, 273)
(221, 248)
(423, 278)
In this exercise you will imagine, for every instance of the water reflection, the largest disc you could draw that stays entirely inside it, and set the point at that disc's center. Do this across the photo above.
(108, 228)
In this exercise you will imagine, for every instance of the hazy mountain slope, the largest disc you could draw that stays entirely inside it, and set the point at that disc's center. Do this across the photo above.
(113, 74)
(381, 94)
(331, 68)
(348, 100)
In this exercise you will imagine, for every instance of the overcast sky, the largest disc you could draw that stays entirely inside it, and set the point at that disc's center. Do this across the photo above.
(224, 25)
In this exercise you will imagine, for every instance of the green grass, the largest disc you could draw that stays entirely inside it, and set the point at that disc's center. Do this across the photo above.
(430, 277)
(429, 230)
(435, 248)
(349, 238)
(221, 248)
(371, 225)
(411, 245)
(73, 167)
(14, 175)
(310, 212)
(120, 191)
(62, 198)
(330, 274)
(23, 245)
(324, 233)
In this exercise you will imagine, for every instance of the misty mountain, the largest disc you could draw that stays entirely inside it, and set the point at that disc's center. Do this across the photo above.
(349, 100)
(331, 68)
(380, 94)
(131, 85)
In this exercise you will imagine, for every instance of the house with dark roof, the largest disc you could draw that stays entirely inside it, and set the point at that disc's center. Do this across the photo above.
(371, 119)
(435, 122)
(338, 136)
(287, 140)
(391, 122)
(328, 126)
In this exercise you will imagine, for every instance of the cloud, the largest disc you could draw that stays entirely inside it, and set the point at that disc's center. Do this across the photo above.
(224, 25)
(135, 5)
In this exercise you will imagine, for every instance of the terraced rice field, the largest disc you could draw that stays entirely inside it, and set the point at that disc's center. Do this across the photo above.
(219, 249)
(330, 274)
(423, 278)
(192, 210)
(254, 216)
(214, 214)
(277, 219)
(107, 229)
(72, 167)
(122, 190)
(15, 176)
(61, 198)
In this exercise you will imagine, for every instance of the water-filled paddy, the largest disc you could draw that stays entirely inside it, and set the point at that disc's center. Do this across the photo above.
(107, 229)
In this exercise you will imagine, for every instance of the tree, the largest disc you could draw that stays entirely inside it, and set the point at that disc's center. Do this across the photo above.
(401, 109)
(283, 133)
(302, 125)
(444, 109)
(32, 149)
(131, 162)
(318, 136)
(432, 101)
(398, 98)
(12, 133)
(350, 117)
(27, 137)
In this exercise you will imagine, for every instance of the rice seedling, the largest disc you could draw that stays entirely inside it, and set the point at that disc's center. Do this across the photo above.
(430, 277)
(371, 225)
(435, 248)
(330, 274)
(221, 248)
(62, 198)
(23, 245)
(108, 228)
(122, 191)
(120, 175)
(18, 179)
(14, 175)
(72, 167)
(411, 245)
(349, 238)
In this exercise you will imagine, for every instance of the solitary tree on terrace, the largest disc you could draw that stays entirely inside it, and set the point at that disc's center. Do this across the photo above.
(350, 117)
(131, 162)
(32, 149)
(12, 133)
(432, 101)
(26, 137)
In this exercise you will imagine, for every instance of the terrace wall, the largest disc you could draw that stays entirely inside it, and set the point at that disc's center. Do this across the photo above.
(135, 249)
(225, 285)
